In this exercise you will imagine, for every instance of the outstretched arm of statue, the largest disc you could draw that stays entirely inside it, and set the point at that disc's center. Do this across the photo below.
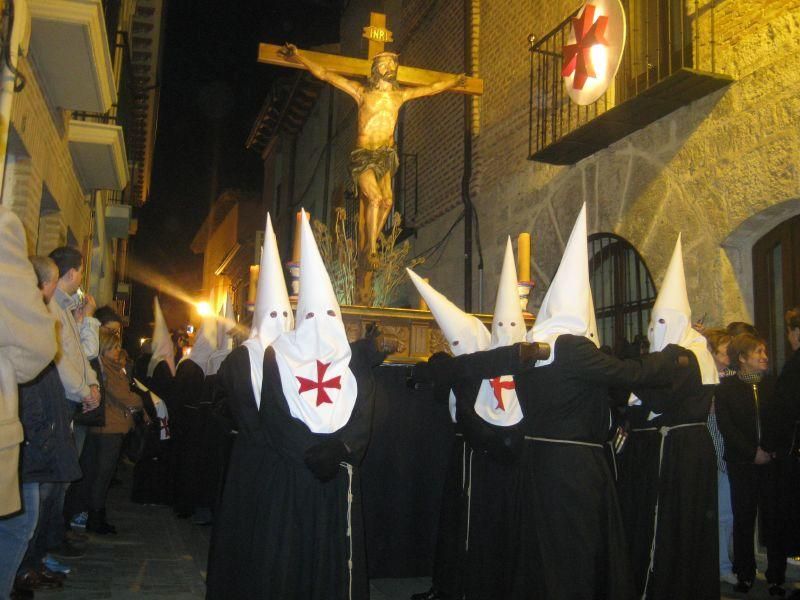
(290, 52)
(442, 85)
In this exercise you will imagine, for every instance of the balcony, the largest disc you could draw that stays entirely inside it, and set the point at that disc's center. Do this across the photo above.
(70, 48)
(668, 62)
(98, 152)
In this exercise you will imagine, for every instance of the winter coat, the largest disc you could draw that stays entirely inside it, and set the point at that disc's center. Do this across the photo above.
(118, 397)
(27, 345)
(48, 452)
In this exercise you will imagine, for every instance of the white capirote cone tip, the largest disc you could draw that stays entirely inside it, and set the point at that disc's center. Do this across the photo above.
(507, 309)
(162, 340)
(568, 306)
(271, 294)
(316, 290)
(672, 294)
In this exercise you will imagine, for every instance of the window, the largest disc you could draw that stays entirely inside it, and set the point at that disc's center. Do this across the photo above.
(623, 292)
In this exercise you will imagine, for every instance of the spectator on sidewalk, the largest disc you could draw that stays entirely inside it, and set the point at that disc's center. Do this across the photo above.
(27, 345)
(718, 340)
(103, 444)
(79, 379)
(49, 458)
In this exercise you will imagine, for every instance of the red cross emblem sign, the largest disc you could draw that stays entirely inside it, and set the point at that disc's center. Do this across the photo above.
(306, 385)
(593, 52)
(497, 387)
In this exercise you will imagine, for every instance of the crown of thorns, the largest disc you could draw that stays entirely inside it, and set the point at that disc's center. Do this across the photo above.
(393, 55)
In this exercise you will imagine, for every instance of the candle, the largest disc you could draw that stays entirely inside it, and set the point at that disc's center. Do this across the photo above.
(524, 257)
(251, 291)
(422, 304)
(297, 230)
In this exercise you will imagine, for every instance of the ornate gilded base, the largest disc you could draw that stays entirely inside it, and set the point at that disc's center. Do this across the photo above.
(416, 331)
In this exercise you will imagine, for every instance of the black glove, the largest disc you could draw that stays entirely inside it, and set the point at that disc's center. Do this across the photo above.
(324, 458)
(423, 375)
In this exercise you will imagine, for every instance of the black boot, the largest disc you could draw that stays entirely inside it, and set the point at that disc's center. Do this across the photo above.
(96, 523)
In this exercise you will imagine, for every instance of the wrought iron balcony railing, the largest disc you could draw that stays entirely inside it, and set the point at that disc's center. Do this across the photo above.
(668, 61)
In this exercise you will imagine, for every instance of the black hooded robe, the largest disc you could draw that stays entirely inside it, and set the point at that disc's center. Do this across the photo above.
(475, 539)
(187, 432)
(683, 487)
(280, 532)
(572, 539)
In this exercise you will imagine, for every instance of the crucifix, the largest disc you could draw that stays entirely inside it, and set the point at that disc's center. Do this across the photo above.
(374, 160)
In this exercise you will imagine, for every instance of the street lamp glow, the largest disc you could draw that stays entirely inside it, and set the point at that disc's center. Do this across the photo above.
(203, 309)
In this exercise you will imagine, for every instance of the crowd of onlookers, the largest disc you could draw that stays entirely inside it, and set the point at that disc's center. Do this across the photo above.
(68, 400)
(753, 424)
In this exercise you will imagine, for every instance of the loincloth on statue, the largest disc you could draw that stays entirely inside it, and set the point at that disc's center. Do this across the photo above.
(380, 161)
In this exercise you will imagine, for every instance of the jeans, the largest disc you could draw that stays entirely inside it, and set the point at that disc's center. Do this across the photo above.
(98, 463)
(15, 533)
(725, 512)
(49, 532)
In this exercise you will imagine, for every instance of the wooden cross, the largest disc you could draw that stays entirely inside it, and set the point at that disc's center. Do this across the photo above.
(377, 35)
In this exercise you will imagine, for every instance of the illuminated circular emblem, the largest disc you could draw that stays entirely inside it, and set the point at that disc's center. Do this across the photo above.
(594, 50)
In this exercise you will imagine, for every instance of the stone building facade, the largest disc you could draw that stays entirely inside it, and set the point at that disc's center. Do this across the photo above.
(724, 170)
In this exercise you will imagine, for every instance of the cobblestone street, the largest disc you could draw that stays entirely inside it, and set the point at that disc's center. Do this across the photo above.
(156, 555)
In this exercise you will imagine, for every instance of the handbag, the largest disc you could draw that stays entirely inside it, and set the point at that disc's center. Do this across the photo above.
(143, 441)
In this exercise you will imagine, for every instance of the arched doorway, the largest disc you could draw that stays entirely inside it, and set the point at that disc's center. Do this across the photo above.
(776, 285)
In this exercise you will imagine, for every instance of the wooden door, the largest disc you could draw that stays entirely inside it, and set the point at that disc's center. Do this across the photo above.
(776, 285)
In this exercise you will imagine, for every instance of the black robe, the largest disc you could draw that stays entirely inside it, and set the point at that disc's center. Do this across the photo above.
(153, 476)
(572, 540)
(279, 532)
(683, 486)
(475, 539)
(187, 432)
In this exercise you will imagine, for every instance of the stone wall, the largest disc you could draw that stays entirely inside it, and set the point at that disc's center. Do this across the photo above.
(703, 170)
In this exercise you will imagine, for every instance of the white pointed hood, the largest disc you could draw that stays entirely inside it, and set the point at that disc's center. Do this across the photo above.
(314, 359)
(497, 401)
(273, 313)
(225, 323)
(464, 333)
(205, 343)
(671, 319)
(568, 307)
(162, 341)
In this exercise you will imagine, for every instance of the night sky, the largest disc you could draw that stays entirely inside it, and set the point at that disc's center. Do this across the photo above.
(212, 89)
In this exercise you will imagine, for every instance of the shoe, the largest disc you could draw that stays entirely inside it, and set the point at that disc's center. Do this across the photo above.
(742, 587)
(46, 574)
(96, 523)
(68, 550)
(56, 566)
(31, 580)
(729, 578)
(431, 594)
(776, 589)
(79, 520)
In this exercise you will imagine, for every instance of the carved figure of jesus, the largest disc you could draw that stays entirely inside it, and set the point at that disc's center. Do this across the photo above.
(374, 161)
